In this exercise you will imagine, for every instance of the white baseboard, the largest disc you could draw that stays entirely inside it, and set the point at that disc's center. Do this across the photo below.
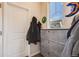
(33, 54)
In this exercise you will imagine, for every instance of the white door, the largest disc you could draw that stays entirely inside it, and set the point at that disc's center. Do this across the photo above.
(0, 32)
(16, 23)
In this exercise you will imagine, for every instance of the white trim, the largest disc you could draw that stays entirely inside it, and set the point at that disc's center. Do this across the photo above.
(48, 16)
(17, 6)
(29, 55)
(2, 28)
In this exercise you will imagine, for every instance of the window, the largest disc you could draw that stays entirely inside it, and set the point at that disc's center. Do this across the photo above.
(55, 14)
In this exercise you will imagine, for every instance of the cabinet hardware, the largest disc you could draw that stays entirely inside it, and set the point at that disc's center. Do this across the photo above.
(48, 31)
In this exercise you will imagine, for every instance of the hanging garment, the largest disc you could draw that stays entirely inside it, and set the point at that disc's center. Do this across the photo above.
(39, 31)
(74, 22)
(33, 32)
(75, 49)
(72, 45)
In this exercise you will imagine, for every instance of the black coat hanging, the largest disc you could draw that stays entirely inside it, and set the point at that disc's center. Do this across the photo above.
(33, 32)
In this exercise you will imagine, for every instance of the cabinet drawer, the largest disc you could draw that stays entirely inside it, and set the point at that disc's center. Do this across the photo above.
(44, 50)
(59, 36)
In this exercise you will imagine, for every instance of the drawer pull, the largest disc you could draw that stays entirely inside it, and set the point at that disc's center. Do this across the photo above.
(48, 31)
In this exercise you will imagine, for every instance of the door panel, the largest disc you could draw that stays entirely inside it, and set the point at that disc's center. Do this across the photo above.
(17, 21)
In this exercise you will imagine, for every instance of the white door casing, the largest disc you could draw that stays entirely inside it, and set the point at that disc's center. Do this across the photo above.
(1, 31)
(15, 29)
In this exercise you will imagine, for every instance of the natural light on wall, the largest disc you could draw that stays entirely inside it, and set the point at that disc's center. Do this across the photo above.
(55, 14)
(56, 10)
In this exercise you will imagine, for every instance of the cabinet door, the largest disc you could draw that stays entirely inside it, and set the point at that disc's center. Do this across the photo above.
(44, 43)
(55, 49)
(44, 51)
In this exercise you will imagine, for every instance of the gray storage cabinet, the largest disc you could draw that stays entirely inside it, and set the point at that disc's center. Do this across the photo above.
(52, 42)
